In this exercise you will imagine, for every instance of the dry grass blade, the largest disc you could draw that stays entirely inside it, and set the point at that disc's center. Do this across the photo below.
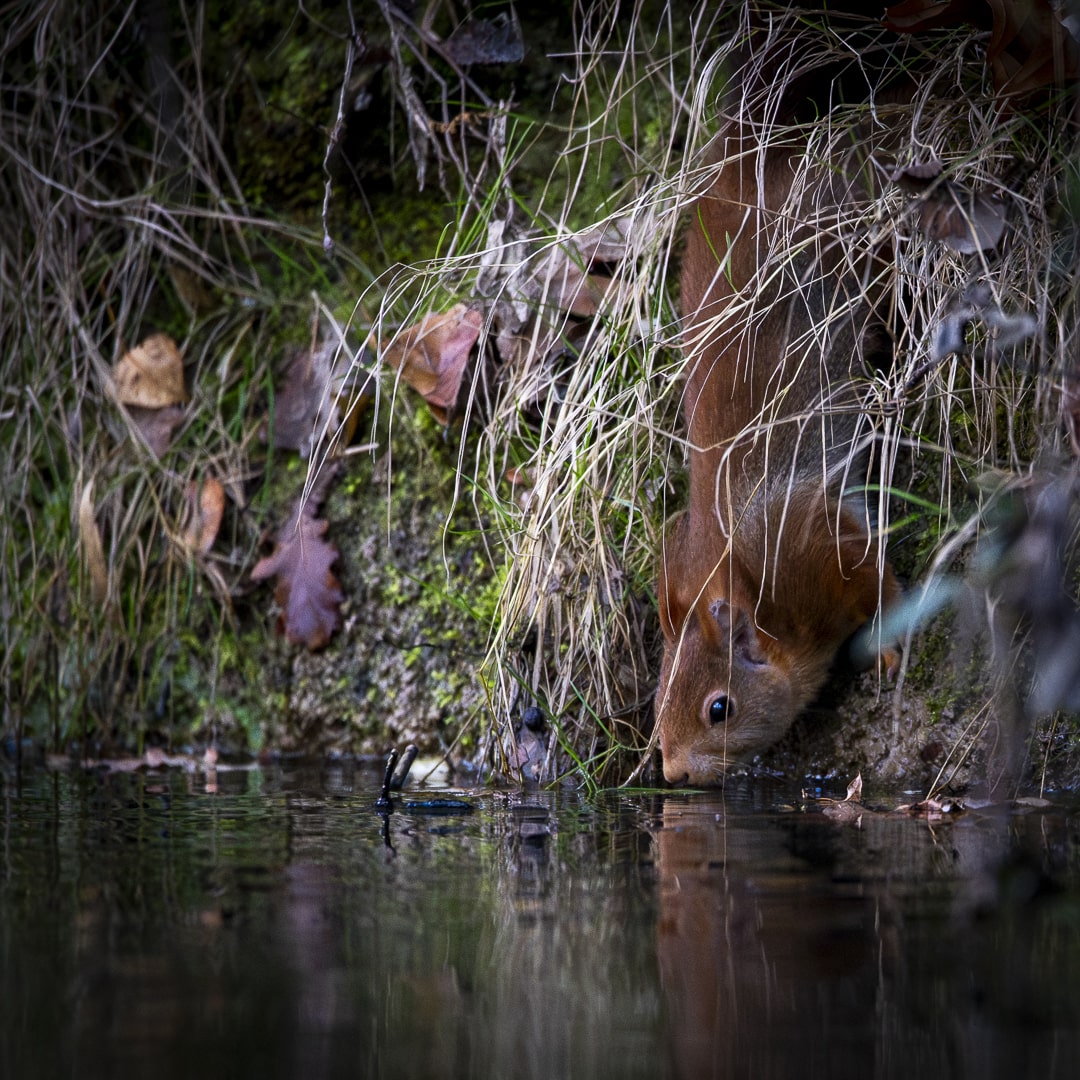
(594, 430)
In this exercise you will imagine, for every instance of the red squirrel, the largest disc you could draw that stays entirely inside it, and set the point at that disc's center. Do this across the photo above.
(776, 562)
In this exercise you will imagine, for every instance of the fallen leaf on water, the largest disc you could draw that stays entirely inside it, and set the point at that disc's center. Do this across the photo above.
(431, 356)
(931, 808)
(1034, 802)
(845, 813)
(204, 505)
(151, 375)
(307, 592)
(848, 810)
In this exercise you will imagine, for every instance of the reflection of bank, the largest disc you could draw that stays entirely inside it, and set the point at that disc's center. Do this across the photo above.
(790, 946)
(768, 968)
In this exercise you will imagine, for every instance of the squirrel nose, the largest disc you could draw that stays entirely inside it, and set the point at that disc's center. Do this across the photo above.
(676, 773)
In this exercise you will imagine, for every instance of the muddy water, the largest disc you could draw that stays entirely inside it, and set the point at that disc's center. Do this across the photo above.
(273, 924)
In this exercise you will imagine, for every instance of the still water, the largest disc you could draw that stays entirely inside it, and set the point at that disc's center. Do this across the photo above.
(271, 923)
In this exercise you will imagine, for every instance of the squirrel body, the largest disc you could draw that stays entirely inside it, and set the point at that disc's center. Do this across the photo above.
(775, 562)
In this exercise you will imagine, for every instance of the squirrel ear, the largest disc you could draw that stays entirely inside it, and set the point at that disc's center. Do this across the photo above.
(738, 628)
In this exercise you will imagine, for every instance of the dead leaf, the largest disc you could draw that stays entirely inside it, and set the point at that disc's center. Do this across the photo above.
(519, 476)
(1034, 802)
(93, 549)
(854, 791)
(607, 243)
(931, 808)
(204, 508)
(976, 302)
(194, 293)
(315, 397)
(157, 426)
(431, 356)
(577, 292)
(571, 277)
(963, 220)
(915, 177)
(307, 592)
(151, 375)
(845, 813)
(1029, 48)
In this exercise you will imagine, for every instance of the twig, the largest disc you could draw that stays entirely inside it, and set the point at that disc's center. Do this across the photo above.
(385, 804)
(352, 48)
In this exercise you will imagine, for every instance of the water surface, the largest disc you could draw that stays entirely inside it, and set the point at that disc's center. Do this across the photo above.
(273, 924)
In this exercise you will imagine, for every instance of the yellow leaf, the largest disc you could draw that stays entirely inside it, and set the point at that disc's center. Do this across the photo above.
(205, 506)
(151, 375)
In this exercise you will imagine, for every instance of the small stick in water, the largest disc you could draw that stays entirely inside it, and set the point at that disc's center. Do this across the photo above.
(402, 773)
(385, 803)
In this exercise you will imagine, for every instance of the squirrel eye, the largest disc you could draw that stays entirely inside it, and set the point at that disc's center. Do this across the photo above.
(721, 710)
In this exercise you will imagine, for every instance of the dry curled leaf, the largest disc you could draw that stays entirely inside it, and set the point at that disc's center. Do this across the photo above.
(431, 356)
(1030, 47)
(571, 278)
(307, 592)
(151, 375)
(93, 549)
(963, 220)
(157, 425)
(854, 790)
(315, 397)
(204, 506)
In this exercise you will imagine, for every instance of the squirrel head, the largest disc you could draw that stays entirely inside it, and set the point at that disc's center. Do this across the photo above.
(724, 692)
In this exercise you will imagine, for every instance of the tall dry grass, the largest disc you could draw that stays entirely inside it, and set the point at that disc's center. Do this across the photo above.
(595, 426)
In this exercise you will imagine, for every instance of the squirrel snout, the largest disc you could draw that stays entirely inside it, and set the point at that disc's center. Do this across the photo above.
(676, 777)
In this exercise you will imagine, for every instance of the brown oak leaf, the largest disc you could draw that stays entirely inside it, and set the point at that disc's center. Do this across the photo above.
(319, 393)
(431, 356)
(307, 592)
